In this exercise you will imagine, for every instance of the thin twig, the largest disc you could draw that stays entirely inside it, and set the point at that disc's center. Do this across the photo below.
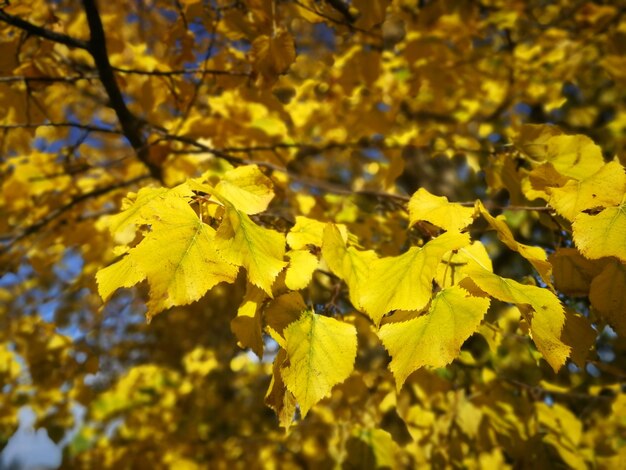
(168, 73)
(36, 226)
(42, 32)
(76, 125)
(19, 78)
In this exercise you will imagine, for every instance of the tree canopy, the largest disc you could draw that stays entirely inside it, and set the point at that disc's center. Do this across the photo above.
(315, 233)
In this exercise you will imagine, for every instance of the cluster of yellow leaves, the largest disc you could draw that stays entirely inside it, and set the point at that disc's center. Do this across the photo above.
(429, 299)
(570, 173)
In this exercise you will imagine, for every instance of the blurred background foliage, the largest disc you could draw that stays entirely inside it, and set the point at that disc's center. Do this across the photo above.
(355, 100)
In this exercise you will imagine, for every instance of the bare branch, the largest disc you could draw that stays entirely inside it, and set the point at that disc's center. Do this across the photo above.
(131, 126)
(20, 78)
(76, 125)
(36, 226)
(169, 73)
(42, 32)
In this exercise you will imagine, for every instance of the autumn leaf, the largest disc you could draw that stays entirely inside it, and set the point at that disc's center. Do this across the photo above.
(142, 208)
(435, 338)
(456, 265)
(308, 231)
(321, 353)
(273, 55)
(247, 325)
(573, 272)
(299, 273)
(347, 262)
(281, 400)
(246, 188)
(605, 188)
(177, 257)
(576, 156)
(602, 234)
(405, 282)
(546, 321)
(607, 295)
(534, 254)
(438, 211)
(260, 250)
(282, 311)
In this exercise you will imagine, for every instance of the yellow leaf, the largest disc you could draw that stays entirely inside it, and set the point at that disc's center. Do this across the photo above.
(142, 208)
(372, 12)
(534, 254)
(273, 55)
(246, 188)
(347, 263)
(604, 188)
(247, 324)
(546, 323)
(405, 282)
(278, 398)
(603, 234)
(573, 272)
(321, 353)
(456, 265)
(177, 257)
(260, 250)
(299, 273)
(540, 180)
(310, 232)
(370, 448)
(580, 335)
(282, 311)
(433, 339)
(575, 156)
(123, 273)
(608, 296)
(438, 211)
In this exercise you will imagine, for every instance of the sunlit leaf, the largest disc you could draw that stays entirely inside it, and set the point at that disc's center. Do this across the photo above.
(260, 250)
(438, 211)
(605, 188)
(405, 282)
(435, 338)
(321, 353)
(177, 257)
(347, 262)
(602, 234)
(547, 317)
(534, 254)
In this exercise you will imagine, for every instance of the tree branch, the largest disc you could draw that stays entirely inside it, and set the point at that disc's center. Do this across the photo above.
(131, 126)
(76, 125)
(36, 226)
(169, 73)
(42, 32)
(21, 78)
